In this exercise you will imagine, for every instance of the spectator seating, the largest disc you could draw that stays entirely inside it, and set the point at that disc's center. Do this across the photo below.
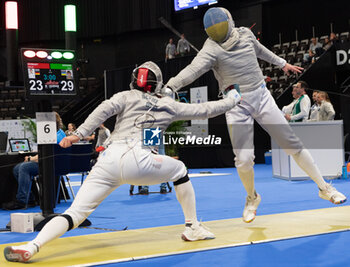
(294, 46)
(322, 39)
(344, 37)
(293, 52)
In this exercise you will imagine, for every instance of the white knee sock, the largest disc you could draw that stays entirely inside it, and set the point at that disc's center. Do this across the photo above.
(307, 163)
(52, 230)
(247, 178)
(185, 195)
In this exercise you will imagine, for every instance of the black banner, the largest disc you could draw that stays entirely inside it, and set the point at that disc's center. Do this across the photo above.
(342, 55)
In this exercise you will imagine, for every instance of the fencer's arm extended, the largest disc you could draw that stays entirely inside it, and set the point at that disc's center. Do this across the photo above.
(304, 110)
(69, 140)
(105, 110)
(184, 111)
(202, 63)
(265, 54)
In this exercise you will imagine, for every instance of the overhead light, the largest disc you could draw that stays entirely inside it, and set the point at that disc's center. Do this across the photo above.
(68, 55)
(11, 15)
(56, 55)
(41, 54)
(29, 53)
(70, 24)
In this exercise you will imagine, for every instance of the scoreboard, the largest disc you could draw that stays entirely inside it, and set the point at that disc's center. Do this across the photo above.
(184, 4)
(49, 72)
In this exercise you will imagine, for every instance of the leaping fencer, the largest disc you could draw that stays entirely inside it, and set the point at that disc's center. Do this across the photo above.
(232, 54)
(126, 160)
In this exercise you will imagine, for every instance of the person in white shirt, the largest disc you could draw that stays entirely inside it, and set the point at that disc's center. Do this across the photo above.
(299, 109)
(289, 108)
(315, 108)
(326, 112)
(312, 50)
(183, 47)
(170, 50)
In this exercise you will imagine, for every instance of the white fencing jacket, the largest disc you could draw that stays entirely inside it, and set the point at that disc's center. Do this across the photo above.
(236, 65)
(136, 110)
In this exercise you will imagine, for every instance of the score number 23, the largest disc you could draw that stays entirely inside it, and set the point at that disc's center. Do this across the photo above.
(38, 85)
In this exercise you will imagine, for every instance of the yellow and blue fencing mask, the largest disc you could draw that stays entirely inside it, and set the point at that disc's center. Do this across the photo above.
(217, 23)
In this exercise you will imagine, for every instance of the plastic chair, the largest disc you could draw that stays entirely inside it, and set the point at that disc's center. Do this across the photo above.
(36, 180)
(80, 160)
(75, 159)
(62, 164)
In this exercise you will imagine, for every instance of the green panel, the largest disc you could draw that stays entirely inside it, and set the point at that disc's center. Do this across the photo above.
(57, 66)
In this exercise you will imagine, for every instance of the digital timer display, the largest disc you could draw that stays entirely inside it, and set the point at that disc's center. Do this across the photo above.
(50, 75)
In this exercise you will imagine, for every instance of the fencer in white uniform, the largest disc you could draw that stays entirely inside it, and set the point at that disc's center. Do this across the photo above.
(232, 55)
(126, 160)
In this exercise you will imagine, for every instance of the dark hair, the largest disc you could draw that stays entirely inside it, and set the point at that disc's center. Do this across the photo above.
(73, 125)
(326, 96)
(59, 123)
(303, 85)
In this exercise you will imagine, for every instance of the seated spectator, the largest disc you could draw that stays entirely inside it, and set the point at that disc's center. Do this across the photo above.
(25, 170)
(312, 50)
(299, 109)
(327, 44)
(183, 47)
(319, 51)
(170, 50)
(315, 108)
(326, 112)
(333, 38)
(71, 129)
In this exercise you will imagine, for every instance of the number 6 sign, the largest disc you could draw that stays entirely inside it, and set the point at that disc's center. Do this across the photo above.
(46, 128)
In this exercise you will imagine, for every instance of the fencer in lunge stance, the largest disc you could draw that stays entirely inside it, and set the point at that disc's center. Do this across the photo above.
(126, 161)
(232, 55)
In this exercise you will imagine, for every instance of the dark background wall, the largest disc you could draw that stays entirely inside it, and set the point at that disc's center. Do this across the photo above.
(113, 34)
(287, 16)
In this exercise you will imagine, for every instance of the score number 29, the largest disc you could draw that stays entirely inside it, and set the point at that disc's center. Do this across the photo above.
(38, 85)
(67, 85)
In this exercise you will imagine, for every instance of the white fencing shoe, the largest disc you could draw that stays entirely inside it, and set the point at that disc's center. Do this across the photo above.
(20, 253)
(331, 194)
(250, 208)
(194, 233)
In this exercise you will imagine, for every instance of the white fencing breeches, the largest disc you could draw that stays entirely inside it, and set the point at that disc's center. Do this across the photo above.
(258, 105)
(119, 164)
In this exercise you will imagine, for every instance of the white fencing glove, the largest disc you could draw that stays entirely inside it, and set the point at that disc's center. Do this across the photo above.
(167, 91)
(234, 95)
